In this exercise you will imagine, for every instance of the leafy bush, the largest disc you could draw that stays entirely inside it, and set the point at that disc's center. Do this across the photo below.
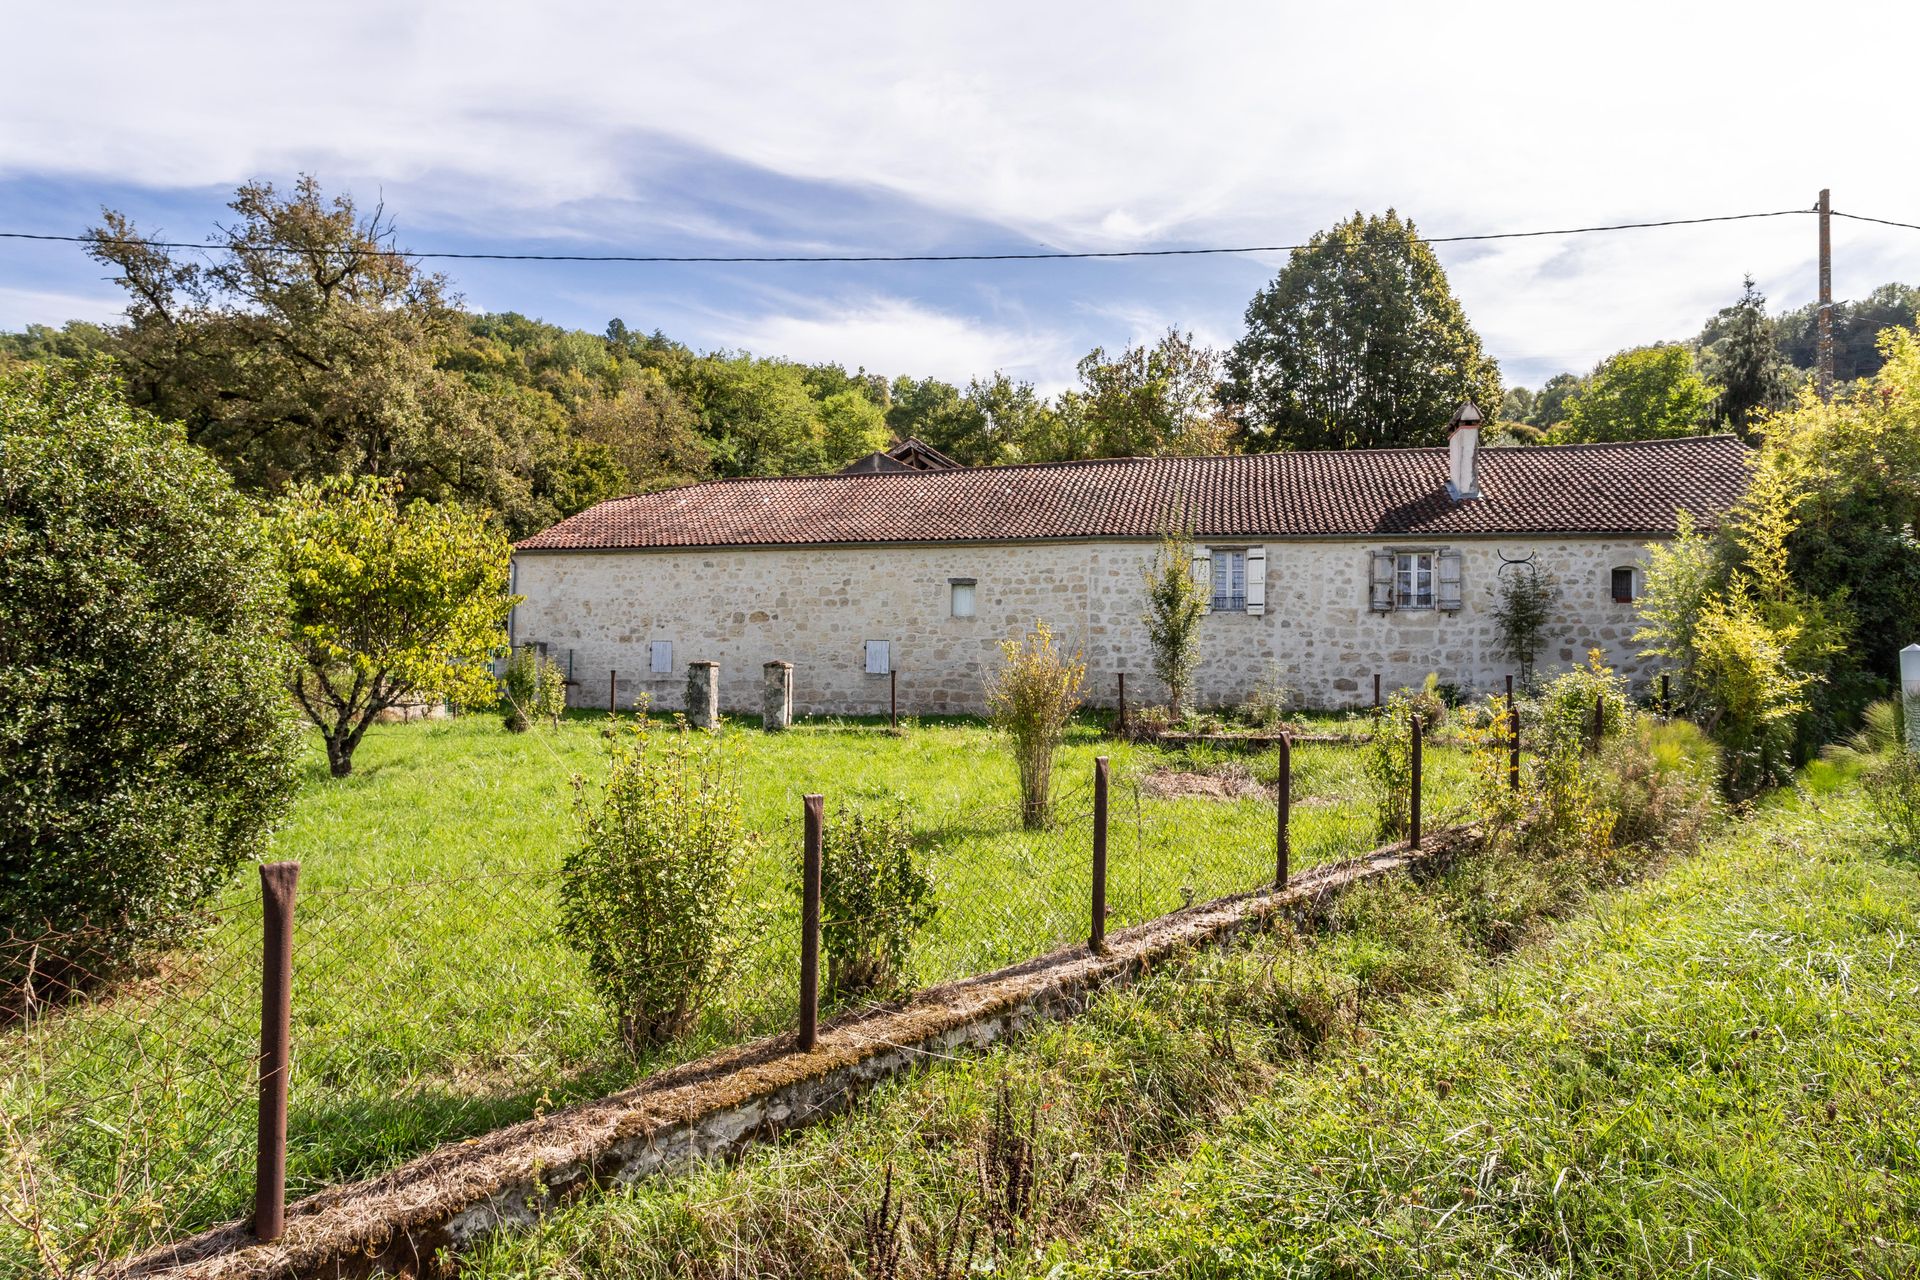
(1431, 702)
(536, 689)
(874, 898)
(1893, 796)
(146, 746)
(1389, 767)
(1750, 688)
(1032, 698)
(1566, 705)
(648, 891)
(1527, 599)
(1176, 602)
(1267, 706)
(1658, 781)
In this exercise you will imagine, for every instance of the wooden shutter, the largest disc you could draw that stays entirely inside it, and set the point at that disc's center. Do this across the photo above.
(1256, 580)
(1382, 582)
(1446, 581)
(660, 657)
(1203, 574)
(879, 660)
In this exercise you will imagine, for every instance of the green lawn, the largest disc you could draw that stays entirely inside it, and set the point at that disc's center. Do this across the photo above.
(1709, 1073)
(434, 1000)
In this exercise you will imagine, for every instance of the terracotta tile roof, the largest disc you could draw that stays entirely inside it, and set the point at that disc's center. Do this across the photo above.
(1632, 488)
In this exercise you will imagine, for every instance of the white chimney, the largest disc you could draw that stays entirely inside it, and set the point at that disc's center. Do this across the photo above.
(1463, 452)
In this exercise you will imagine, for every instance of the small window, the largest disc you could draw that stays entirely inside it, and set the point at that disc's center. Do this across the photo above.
(1625, 585)
(878, 663)
(962, 596)
(660, 657)
(1229, 580)
(1413, 580)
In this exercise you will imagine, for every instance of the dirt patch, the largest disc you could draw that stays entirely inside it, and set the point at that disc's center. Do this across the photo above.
(1179, 784)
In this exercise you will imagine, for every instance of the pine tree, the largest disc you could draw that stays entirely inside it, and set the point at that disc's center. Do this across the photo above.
(1747, 364)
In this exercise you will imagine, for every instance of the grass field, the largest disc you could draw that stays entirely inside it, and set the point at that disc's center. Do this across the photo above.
(1708, 1073)
(433, 998)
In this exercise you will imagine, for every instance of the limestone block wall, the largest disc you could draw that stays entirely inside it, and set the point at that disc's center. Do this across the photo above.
(817, 608)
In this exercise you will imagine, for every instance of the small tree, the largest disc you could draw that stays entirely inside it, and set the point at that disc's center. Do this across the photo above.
(1389, 767)
(389, 603)
(535, 687)
(1750, 688)
(1033, 698)
(1527, 599)
(874, 896)
(646, 893)
(1176, 602)
(146, 748)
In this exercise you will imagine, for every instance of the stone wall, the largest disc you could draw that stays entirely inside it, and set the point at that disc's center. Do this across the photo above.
(816, 608)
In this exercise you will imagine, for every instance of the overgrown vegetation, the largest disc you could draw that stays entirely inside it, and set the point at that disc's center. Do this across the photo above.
(1031, 699)
(146, 750)
(535, 688)
(1389, 766)
(875, 896)
(647, 895)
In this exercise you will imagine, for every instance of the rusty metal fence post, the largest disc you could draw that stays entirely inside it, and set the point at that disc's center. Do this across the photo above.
(1413, 814)
(1513, 739)
(893, 699)
(612, 677)
(1599, 720)
(809, 1034)
(1123, 704)
(1283, 833)
(1376, 693)
(277, 882)
(1097, 937)
(1666, 697)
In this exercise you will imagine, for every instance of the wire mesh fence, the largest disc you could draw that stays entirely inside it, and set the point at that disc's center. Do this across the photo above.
(432, 1009)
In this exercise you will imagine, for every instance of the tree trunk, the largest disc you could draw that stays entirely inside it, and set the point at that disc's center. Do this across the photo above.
(340, 755)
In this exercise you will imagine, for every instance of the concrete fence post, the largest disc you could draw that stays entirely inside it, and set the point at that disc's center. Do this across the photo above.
(776, 696)
(277, 882)
(1910, 694)
(703, 695)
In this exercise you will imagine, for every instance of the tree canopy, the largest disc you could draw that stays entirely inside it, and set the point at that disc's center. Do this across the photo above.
(1645, 393)
(1358, 342)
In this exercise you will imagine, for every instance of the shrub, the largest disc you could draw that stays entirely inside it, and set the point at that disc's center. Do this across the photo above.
(1033, 698)
(1431, 702)
(1527, 599)
(1389, 767)
(1176, 602)
(647, 892)
(146, 746)
(874, 898)
(1893, 796)
(1566, 705)
(536, 688)
(1658, 782)
(1266, 707)
(1750, 690)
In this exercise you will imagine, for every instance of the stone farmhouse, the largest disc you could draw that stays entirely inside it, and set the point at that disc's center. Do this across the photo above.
(1325, 568)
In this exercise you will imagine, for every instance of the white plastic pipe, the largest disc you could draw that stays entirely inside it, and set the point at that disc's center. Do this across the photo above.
(1910, 693)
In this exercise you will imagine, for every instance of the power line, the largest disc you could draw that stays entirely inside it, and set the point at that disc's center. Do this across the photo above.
(1885, 222)
(1045, 255)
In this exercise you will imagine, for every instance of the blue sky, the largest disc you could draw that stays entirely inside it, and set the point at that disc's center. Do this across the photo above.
(982, 128)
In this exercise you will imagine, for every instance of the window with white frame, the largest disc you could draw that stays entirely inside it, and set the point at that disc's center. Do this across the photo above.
(1229, 579)
(960, 592)
(1413, 580)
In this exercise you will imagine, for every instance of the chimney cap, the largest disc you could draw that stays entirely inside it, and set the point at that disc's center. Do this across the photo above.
(1465, 416)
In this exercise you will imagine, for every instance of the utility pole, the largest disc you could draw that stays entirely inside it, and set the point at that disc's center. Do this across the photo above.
(1825, 316)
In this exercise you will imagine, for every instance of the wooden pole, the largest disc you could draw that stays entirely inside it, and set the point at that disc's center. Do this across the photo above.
(1513, 739)
(810, 923)
(1413, 815)
(1376, 693)
(612, 675)
(1824, 316)
(1666, 697)
(1283, 835)
(1097, 938)
(277, 882)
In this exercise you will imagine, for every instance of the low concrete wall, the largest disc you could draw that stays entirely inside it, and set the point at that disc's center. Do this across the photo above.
(710, 1109)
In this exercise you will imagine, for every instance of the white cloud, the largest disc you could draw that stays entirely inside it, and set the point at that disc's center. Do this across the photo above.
(22, 307)
(894, 335)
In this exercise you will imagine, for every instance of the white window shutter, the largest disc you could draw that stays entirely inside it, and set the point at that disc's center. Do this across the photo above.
(1203, 574)
(1446, 591)
(660, 657)
(1381, 581)
(1257, 580)
(878, 659)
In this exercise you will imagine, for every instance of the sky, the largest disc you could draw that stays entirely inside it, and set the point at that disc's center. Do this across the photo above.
(987, 127)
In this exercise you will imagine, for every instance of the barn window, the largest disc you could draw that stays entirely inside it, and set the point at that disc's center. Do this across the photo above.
(1626, 584)
(1229, 580)
(1413, 580)
(878, 659)
(960, 592)
(660, 657)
